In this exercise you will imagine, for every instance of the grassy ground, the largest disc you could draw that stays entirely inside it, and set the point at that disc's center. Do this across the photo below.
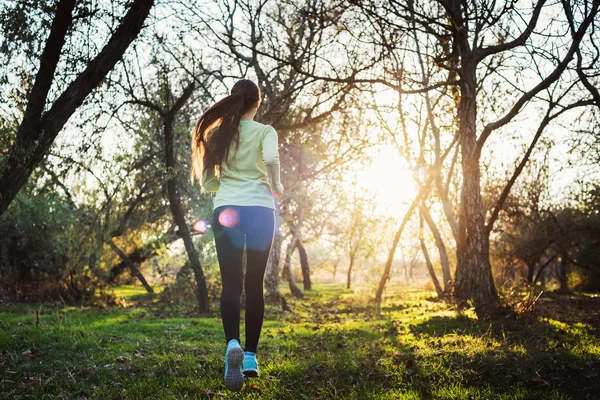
(331, 346)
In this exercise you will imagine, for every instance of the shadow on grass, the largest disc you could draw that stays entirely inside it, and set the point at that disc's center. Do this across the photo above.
(531, 354)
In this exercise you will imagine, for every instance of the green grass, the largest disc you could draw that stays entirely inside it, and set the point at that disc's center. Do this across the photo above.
(330, 346)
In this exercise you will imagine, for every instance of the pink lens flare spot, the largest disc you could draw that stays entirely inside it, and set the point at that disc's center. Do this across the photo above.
(229, 218)
(200, 226)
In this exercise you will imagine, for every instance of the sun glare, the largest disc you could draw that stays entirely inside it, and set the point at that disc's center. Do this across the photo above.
(390, 181)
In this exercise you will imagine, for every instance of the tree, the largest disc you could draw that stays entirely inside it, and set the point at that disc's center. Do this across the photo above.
(470, 50)
(39, 125)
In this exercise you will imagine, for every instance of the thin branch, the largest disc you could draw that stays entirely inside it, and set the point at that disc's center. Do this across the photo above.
(551, 78)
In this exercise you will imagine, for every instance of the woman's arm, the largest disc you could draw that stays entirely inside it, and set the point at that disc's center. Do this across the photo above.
(270, 153)
(210, 182)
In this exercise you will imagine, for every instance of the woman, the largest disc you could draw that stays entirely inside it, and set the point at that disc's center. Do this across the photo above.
(238, 159)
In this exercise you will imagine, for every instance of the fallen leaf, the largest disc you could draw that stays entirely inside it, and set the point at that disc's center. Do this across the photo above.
(255, 387)
(123, 359)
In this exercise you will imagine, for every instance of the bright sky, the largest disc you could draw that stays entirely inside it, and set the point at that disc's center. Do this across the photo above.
(390, 180)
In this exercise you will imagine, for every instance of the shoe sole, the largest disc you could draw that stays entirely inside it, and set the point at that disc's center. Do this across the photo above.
(250, 373)
(234, 379)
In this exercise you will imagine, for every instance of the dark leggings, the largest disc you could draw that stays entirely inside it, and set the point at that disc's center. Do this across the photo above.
(233, 227)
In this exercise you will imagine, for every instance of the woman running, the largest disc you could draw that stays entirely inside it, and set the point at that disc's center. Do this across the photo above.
(238, 159)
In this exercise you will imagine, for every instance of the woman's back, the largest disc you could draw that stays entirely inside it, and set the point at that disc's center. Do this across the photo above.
(244, 181)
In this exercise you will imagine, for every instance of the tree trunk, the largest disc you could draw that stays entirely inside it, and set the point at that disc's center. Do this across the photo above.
(273, 295)
(134, 271)
(177, 209)
(530, 271)
(441, 248)
(135, 257)
(562, 274)
(138, 256)
(431, 271)
(474, 279)
(335, 267)
(287, 267)
(38, 129)
(541, 269)
(388, 264)
(116, 270)
(404, 265)
(304, 265)
(349, 275)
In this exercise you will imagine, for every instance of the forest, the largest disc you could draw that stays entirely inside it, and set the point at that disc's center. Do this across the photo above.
(439, 232)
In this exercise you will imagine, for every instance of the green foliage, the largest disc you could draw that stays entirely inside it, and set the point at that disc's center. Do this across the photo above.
(34, 239)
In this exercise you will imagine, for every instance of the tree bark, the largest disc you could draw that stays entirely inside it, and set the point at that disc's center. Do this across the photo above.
(273, 295)
(304, 265)
(38, 130)
(474, 279)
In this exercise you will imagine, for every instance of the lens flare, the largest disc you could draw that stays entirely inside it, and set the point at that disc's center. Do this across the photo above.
(201, 226)
(229, 218)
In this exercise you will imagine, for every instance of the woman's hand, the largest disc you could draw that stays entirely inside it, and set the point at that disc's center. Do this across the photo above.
(278, 192)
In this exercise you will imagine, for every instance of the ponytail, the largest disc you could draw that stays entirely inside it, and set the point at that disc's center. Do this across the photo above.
(217, 129)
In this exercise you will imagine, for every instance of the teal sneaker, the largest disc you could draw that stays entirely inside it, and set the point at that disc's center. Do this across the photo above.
(234, 379)
(250, 365)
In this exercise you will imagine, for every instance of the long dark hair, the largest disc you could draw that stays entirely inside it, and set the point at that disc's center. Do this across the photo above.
(217, 128)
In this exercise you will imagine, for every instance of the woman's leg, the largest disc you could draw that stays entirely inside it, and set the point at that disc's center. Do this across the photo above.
(229, 243)
(259, 225)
